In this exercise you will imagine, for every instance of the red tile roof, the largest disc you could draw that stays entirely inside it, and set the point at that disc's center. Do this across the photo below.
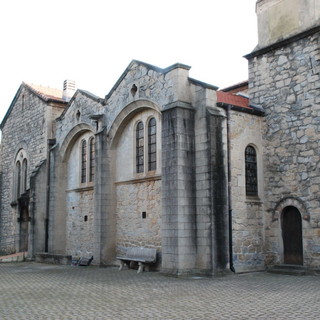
(46, 93)
(233, 100)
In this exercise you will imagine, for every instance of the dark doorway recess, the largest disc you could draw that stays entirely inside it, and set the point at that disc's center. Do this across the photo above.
(24, 218)
(291, 225)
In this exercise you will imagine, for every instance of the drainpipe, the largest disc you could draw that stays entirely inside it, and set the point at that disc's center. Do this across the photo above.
(229, 189)
(51, 142)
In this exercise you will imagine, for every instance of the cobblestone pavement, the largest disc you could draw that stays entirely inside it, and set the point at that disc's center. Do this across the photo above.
(41, 291)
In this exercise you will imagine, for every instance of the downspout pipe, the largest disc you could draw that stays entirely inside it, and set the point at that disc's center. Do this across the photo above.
(229, 188)
(51, 142)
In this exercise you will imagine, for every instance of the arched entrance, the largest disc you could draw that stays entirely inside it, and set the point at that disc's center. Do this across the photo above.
(291, 226)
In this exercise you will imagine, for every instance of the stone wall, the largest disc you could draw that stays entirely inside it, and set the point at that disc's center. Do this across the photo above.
(25, 128)
(286, 82)
(38, 210)
(72, 204)
(79, 228)
(178, 192)
(247, 211)
(280, 19)
(139, 215)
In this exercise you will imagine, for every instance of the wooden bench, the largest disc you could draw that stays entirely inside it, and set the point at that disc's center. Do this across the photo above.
(143, 256)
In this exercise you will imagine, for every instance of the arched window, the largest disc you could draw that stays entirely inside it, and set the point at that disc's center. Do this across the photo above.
(18, 180)
(91, 159)
(140, 147)
(251, 171)
(83, 161)
(24, 176)
(152, 144)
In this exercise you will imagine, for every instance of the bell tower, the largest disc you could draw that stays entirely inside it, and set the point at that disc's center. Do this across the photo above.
(281, 19)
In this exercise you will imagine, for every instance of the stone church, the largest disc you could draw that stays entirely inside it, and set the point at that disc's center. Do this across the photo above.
(215, 180)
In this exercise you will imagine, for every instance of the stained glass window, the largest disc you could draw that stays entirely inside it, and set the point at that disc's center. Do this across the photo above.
(140, 147)
(152, 144)
(83, 161)
(251, 171)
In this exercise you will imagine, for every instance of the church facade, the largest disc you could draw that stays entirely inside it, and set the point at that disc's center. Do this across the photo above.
(213, 179)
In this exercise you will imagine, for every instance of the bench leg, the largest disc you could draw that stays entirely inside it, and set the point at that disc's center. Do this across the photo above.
(140, 269)
(121, 265)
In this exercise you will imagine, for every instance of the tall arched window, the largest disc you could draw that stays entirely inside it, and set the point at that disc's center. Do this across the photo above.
(24, 176)
(18, 180)
(140, 147)
(91, 159)
(251, 171)
(83, 161)
(152, 144)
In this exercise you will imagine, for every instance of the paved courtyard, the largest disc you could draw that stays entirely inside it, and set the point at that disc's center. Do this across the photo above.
(41, 291)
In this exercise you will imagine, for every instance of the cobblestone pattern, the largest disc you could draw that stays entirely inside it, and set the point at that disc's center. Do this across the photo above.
(40, 291)
(286, 82)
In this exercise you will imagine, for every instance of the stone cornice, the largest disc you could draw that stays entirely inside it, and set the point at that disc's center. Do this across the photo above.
(282, 43)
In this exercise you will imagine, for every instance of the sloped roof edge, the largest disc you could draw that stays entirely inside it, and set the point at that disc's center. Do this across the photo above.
(85, 93)
(40, 95)
(45, 96)
(149, 66)
(238, 103)
(203, 84)
(4, 120)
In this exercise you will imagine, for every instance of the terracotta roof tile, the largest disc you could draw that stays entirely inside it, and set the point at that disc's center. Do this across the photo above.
(233, 99)
(46, 93)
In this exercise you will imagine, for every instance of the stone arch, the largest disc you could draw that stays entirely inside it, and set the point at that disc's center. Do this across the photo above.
(21, 146)
(126, 115)
(293, 202)
(71, 137)
(74, 212)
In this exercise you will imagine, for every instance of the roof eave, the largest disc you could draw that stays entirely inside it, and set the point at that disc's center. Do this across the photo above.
(254, 110)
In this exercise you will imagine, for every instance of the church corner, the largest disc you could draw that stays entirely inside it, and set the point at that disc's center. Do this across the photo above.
(215, 180)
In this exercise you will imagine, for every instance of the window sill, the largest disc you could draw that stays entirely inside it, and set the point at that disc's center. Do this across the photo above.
(143, 178)
(253, 199)
(81, 189)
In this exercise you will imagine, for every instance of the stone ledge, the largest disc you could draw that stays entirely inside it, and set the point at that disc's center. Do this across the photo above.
(53, 258)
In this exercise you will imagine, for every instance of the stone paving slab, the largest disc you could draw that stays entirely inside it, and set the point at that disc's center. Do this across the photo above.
(42, 291)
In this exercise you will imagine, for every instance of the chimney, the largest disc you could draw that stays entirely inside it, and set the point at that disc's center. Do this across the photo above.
(69, 88)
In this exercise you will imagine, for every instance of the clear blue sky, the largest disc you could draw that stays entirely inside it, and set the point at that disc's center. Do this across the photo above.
(92, 42)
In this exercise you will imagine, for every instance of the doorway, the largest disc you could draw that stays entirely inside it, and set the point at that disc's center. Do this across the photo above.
(24, 221)
(291, 225)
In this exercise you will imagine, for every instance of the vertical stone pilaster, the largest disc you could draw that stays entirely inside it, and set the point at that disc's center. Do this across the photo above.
(104, 220)
(219, 193)
(178, 185)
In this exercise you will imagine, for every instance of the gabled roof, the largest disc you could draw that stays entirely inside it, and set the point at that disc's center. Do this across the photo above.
(237, 102)
(85, 93)
(148, 66)
(44, 93)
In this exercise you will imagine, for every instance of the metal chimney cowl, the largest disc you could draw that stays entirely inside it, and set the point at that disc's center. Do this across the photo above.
(69, 88)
